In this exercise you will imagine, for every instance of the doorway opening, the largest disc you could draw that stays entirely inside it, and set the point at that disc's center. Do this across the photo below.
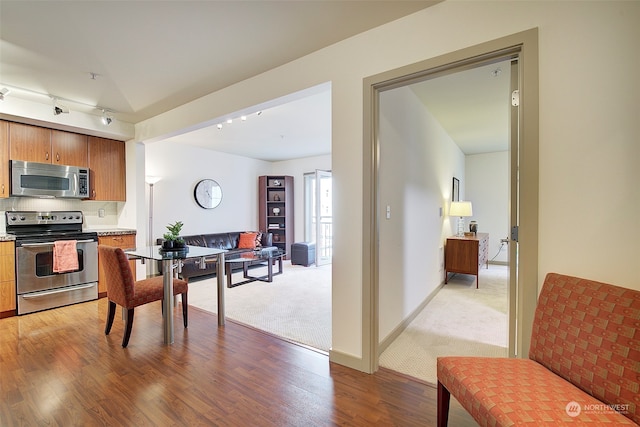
(456, 127)
(523, 164)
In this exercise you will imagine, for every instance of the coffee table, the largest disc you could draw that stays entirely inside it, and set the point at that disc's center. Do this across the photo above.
(263, 258)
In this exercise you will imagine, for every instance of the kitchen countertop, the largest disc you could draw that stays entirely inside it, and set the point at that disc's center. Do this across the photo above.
(111, 231)
(4, 237)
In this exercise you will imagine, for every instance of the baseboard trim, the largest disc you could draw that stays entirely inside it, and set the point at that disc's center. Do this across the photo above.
(405, 323)
(348, 360)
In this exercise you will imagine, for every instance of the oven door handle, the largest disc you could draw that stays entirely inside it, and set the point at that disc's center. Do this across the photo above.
(51, 243)
(56, 291)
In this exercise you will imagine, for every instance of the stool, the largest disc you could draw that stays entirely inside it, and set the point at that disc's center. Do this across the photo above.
(303, 253)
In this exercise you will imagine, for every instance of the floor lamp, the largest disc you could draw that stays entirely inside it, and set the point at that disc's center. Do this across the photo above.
(151, 180)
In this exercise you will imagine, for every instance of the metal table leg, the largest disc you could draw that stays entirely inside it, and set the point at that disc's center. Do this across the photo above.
(167, 301)
(220, 276)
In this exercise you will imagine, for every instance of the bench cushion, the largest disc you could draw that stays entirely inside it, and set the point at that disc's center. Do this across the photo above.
(588, 333)
(514, 392)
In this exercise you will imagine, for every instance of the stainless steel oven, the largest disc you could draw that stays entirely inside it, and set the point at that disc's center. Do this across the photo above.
(38, 286)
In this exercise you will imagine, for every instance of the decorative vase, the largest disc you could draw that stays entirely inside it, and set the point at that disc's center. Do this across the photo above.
(276, 211)
(276, 198)
(167, 245)
(276, 237)
(473, 227)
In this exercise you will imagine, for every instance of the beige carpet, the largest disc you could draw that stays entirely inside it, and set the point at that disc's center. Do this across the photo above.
(295, 306)
(459, 321)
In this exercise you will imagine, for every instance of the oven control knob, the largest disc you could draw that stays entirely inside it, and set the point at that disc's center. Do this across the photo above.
(13, 218)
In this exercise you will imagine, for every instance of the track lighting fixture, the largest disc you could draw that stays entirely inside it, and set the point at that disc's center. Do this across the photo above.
(106, 118)
(4, 91)
(58, 108)
(229, 120)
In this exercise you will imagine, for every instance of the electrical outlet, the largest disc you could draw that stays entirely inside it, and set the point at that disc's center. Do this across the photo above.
(100, 213)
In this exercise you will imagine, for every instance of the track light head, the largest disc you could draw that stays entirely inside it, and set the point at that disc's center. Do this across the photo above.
(106, 118)
(59, 109)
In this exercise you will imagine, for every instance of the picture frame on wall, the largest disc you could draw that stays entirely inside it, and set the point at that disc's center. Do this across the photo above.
(455, 192)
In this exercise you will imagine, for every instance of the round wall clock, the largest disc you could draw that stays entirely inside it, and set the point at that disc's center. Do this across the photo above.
(208, 194)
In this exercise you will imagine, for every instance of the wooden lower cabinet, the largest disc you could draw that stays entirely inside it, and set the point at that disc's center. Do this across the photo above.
(122, 241)
(7, 279)
(466, 254)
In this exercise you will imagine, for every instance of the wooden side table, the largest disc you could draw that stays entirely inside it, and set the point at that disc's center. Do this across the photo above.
(465, 255)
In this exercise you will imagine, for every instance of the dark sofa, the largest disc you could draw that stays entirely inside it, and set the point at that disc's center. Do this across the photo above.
(228, 241)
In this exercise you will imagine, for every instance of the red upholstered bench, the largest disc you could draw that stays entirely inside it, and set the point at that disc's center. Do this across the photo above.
(583, 365)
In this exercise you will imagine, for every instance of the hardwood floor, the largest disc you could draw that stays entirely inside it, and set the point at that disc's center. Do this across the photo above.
(59, 369)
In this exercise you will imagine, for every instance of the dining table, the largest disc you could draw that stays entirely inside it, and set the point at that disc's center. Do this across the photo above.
(171, 263)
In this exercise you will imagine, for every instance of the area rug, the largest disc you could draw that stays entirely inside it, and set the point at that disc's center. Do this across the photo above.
(459, 321)
(295, 306)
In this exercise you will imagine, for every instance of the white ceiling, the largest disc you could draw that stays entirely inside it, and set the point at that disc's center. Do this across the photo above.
(141, 58)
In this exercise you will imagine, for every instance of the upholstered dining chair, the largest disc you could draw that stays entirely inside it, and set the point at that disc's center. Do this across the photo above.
(125, 291)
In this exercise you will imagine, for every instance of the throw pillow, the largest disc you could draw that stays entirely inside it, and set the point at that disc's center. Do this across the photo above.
(247, 241)
(258, 239)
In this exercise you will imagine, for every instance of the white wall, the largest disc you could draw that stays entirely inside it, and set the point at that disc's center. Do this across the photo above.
(182, 167)
(487, 187)
(418, 160)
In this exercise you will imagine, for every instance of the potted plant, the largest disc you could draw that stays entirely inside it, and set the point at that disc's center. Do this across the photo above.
(172, 239)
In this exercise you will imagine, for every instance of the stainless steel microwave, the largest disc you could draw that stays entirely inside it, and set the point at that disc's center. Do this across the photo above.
(44, 180)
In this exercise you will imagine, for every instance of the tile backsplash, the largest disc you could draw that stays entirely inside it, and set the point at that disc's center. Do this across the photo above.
(92, 210)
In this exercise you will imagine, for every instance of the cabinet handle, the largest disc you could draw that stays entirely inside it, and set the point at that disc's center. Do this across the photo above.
(58, 157)
(2, 188)
(46, 156)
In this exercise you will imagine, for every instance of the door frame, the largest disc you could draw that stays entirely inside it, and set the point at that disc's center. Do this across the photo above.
(524, 46)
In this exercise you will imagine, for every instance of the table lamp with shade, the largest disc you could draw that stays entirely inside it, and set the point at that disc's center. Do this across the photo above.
(461, 209)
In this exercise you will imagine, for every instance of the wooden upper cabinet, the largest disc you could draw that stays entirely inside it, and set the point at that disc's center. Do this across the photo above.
(69, 149)
(42, 145)
(29, 143)
(4, 159)
(108, 169)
